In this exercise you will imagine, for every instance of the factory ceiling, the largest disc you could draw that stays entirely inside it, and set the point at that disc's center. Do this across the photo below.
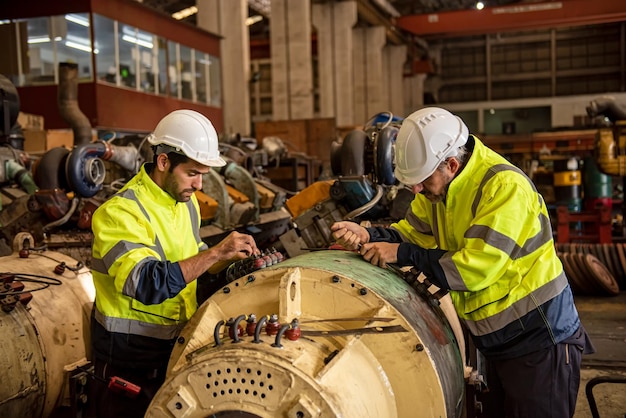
(416, 22)
(388, 10)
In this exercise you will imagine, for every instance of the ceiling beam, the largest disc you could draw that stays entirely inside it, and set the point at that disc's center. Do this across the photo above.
(521, 16)
(368, 13)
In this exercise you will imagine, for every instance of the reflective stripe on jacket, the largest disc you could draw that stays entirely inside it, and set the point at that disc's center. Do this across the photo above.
(501, 262)
(140, 223)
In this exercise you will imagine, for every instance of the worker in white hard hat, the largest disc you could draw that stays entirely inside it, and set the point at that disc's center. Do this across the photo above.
(147, 255)
(478, 228)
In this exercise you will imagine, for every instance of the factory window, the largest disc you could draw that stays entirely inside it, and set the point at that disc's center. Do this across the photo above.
(186, 71)
(104, 33)
(172, 68)
(44, 42)
(124, 55)
(193, 75)
(147, 53)
(162, 65)
(127, 55)
(202, 76)
(215, 81)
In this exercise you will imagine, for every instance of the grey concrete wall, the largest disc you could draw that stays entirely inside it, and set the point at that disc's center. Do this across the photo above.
(228, 19)
(292, 72)
(368, 73)
(334, 22)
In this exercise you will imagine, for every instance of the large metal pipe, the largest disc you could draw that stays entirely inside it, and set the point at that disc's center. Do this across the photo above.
(606, 106)
(358, 341)
(68, 103)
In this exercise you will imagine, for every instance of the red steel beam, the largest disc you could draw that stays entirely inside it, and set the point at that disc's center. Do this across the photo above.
(521, 16)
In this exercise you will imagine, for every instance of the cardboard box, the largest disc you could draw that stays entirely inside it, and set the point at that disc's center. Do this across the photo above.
(60, 138)
(39, 141)
(29, 121)
(35, 141)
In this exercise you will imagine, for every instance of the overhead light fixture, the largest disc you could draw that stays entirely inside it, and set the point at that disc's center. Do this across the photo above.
(253, 19)
(38, 39)
(134, 40)
(181, 14)
(480, 5)
(146, 37)
(80, 47)
(79, 20)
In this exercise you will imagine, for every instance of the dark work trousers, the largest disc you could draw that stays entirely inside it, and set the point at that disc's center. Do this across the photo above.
(542, 384)
(105, 403)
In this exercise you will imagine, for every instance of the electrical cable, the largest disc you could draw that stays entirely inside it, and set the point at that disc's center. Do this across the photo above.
(79, 264)
(25, 277)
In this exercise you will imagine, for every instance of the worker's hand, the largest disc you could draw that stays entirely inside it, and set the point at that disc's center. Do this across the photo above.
(237, 246)
(349, 234)
(380, 253)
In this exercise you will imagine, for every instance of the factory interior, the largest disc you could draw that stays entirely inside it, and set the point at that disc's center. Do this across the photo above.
(307, 98)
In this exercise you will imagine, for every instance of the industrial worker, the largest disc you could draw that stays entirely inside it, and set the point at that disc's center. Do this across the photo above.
(478, 228)
(147, 254)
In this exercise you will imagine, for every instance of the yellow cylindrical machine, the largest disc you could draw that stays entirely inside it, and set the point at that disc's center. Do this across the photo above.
(369, 346)
(43, 337)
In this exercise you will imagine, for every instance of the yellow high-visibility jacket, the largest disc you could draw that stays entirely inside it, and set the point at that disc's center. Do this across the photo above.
(500, 261)
(143, 223)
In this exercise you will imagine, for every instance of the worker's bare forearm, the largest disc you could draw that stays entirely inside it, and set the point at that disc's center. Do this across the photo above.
(235, 246)
(208, 260)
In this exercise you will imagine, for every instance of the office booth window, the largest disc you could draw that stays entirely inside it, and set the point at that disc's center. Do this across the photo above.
(125, 56)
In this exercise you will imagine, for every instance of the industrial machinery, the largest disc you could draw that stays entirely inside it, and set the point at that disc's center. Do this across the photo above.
(319, 335)
(364, 189)
(327, 334)
(46, 299)
(610, 139)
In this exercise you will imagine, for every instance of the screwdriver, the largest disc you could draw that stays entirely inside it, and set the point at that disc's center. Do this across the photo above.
(116, 384)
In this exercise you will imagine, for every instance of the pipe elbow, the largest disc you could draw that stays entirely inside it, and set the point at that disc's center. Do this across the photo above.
(16, 172)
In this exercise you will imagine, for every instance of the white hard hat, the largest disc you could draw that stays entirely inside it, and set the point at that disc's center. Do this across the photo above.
(192, 134)
(426, 138)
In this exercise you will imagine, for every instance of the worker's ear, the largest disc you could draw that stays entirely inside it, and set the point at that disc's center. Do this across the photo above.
(453, 165)
(162, 162)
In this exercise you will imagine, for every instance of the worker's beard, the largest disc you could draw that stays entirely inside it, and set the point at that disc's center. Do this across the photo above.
(171, 187)
(438, 197)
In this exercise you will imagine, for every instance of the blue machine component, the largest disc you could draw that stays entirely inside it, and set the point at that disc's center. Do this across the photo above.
(385, 118)
(355, 192)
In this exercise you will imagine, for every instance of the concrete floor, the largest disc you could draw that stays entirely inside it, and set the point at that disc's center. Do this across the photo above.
(605, 321)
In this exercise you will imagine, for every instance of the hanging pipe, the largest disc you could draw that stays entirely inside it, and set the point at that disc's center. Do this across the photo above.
(68, 103)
